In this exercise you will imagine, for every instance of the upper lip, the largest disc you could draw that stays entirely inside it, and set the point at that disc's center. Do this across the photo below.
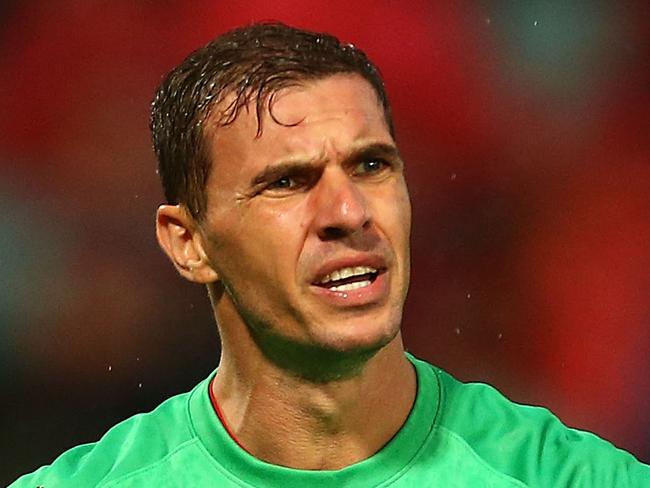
(370, 260)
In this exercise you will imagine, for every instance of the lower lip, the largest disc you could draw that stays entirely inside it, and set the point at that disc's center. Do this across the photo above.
(374, 293)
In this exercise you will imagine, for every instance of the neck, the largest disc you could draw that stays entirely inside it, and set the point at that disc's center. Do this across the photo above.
(290, 421)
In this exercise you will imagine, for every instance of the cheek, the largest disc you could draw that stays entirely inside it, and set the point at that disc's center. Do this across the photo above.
(281, 241)
(262, 244)
(395, 208)
(282, 230)
(404, 201)
(404, 206)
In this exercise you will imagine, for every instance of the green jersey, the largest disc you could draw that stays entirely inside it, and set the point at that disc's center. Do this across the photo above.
(456, 435)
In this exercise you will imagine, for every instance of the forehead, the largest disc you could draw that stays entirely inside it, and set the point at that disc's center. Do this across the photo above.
(332, 112)
(343, 97)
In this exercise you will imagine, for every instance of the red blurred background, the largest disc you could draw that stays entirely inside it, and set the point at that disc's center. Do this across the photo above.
(524, 126)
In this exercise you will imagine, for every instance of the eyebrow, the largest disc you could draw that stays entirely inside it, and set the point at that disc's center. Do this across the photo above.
(276, 171)
(373, 150)
(295, 167)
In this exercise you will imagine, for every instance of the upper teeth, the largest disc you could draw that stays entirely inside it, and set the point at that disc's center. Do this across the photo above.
(341, 274)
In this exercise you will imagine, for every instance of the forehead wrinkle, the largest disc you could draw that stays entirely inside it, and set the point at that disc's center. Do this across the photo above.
(299, 144)
(300, 159)
(329, 152)
(368, 146)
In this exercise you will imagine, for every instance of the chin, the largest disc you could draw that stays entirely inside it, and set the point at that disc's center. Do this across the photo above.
(357, 334)
(333, 350)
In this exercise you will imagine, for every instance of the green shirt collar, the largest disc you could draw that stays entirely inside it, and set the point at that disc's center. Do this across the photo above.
(390, 462)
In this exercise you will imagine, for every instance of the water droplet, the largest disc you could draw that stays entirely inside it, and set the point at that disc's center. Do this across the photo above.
(139, 385)
(535, 23)
(137, 358)
(452, 177)
(499, 336)
(457, 330)
(469, 295)
(110, 368)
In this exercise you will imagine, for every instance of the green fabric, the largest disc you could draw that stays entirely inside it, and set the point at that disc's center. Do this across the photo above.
(457, 435)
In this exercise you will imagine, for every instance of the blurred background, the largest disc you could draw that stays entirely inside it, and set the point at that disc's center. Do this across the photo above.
(524, 125)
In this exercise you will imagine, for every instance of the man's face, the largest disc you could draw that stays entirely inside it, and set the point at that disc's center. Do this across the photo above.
(308, 225)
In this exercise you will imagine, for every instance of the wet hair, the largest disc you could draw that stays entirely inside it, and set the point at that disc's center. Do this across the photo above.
(245, 65)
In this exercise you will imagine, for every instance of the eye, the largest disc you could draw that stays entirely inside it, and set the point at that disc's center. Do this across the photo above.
(284, 183)
(370, 166)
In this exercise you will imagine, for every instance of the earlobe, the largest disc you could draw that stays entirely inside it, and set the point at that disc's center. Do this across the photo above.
(178, 236)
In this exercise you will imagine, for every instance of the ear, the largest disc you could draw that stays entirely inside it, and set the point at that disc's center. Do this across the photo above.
(179, 237)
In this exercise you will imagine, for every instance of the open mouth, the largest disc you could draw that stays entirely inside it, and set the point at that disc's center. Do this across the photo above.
(350, 278)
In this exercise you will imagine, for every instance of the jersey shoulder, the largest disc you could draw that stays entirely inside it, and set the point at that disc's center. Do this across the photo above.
(531, 444)
(134, 444)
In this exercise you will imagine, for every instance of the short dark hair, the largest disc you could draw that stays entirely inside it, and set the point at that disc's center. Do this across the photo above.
(250, 63)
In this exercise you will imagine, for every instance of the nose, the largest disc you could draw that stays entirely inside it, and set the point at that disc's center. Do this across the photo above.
(340, 206)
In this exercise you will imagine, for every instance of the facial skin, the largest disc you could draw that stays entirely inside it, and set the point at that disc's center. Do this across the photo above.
(322, 190)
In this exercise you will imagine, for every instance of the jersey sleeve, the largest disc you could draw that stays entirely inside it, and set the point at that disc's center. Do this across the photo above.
(532, 445)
